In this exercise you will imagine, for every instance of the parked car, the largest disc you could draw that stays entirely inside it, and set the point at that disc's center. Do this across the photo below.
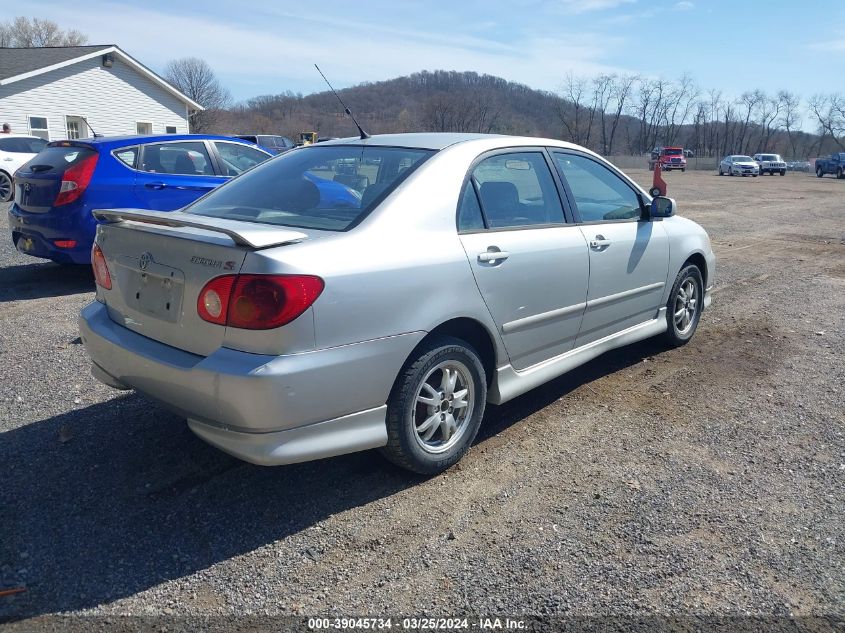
(771, 163)
(15, 151)
(835, 164)
(273, 143)
(669, 158)
(739, 165)
(799, 165)
(57, 190)
(474, 269)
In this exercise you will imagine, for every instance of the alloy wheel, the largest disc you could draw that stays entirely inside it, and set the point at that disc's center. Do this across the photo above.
(443, 406)
(5, 188)
(686, 303)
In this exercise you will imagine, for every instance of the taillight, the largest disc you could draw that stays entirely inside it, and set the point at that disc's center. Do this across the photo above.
(257, 302)
(101, 270)
(75, 180)
(65, 243)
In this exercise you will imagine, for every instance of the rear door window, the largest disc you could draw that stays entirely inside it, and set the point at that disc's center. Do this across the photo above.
(188, 158)
(517, 189)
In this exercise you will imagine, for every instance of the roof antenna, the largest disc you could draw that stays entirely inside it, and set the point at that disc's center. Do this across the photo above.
(345, 109)
(90, 128)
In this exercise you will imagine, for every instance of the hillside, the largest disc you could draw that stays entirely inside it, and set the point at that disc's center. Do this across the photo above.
(610, 114)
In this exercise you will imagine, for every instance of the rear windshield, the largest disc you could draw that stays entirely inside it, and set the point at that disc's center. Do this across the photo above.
(327, 188)
(58, 158)
(22, 145)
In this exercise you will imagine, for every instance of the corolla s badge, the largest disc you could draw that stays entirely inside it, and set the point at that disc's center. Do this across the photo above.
(144, 260)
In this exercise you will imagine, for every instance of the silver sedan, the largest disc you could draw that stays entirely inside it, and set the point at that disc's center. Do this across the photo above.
(378, 292)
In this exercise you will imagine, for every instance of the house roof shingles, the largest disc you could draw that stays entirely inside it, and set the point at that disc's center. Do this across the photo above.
(17, 61)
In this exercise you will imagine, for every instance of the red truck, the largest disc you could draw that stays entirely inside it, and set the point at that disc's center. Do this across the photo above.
(669, 158)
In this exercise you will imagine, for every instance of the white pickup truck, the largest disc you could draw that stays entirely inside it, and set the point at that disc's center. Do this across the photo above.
(771, 163)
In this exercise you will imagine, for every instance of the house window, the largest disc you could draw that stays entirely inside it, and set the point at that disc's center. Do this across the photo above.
(144, 127)
(38, 127)
(170, 129)
(76, 127)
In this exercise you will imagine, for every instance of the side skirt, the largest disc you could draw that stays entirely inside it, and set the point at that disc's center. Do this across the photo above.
(510, 383)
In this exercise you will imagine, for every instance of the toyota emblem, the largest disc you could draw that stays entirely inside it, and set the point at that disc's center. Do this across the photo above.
(145, 260)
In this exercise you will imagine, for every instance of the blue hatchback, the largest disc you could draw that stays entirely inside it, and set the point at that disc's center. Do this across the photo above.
(56, 191)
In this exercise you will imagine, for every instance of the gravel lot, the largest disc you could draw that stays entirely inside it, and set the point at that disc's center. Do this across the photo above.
(704, 480)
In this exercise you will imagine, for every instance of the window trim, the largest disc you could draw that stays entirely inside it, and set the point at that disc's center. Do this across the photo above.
(644, 217)
(29, 127)
(568, 217)
(150, 123)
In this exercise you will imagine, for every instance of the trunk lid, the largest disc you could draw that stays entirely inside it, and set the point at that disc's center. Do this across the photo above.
(159, 263)
(38, 182)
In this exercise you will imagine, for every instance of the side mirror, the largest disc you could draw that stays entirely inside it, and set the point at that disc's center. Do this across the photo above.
(661, 207)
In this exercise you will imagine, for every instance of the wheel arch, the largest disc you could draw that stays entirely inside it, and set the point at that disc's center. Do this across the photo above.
(698, 260)
(473, 332)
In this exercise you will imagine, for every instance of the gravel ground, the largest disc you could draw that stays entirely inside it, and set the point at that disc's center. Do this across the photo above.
(704, 480)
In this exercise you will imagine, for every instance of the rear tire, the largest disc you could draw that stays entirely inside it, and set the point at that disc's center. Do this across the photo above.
(683, 310)
(435, 407)
(7, 189)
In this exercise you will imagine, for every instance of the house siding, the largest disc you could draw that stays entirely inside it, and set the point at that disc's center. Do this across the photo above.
(112, 99)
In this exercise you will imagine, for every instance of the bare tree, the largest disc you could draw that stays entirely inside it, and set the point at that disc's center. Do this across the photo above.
(22, 32)
(790, 105)
(195, 79)
(572, 114)
(621, 90)
(829, 110)
(768, 112)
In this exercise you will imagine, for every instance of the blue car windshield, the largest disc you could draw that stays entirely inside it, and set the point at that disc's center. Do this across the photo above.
(331, 187)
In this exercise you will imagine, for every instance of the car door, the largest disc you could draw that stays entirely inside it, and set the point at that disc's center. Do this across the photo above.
(629, 255)
(173, 174)
(530, 265)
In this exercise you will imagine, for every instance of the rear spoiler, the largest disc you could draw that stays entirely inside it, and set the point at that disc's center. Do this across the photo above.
(249, 234)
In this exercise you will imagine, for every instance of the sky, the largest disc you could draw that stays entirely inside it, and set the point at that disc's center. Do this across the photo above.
(268, 48)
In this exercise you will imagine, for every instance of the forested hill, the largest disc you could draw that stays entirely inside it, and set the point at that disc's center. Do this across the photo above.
(610, 114)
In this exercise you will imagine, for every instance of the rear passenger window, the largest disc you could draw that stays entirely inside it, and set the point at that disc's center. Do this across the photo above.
(469, 212)
(517, 190)
(188, 158)
(600, 195)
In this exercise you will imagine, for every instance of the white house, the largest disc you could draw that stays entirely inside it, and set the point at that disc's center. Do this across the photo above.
(51, 92)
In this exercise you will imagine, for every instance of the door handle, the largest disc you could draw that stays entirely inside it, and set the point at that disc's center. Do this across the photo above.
(155, 185)
(493, 256)
(599, 242)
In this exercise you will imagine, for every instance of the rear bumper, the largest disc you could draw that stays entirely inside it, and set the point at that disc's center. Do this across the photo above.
(263, 409)
(35, 233)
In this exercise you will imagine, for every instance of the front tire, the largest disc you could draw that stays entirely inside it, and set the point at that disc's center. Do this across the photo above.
(783, 172)
(819, 172)
(7, 190)
(683, 311)
(436, 405)
(839, 174)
